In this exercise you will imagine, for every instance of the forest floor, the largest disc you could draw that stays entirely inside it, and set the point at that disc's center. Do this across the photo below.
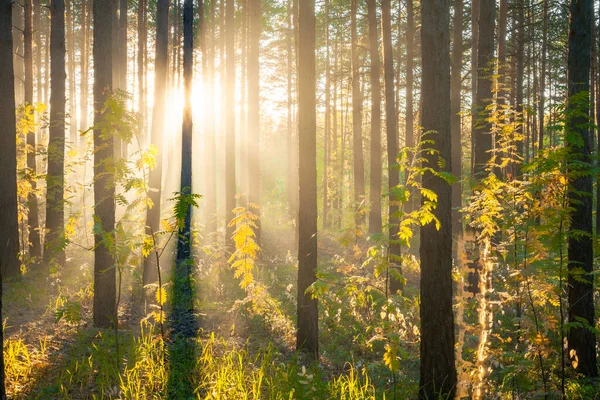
(53, 351)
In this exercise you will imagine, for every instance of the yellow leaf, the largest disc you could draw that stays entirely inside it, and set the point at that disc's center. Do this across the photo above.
(161, 296)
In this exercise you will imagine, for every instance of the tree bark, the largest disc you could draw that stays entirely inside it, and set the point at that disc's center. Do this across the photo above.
(307, 334)
(158, 125)
(455, 126)
(475, 9)
(211, 147)
(520, 72)
(9, 234)
(55, 178)
(142, 40)
(485, 56)
(254, 107)
(73, 135)
(392, 139)
(438, 372)
(581, 341)
(375, 224)
(230, 175)
(542, 99)
(327, 132)
(357, 109)
(184, 244)
(105, 312)
(83, 87)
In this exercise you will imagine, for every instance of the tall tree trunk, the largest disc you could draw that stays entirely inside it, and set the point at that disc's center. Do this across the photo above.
(9, 234)
(230, 175)
(542, 99)
(375, 161)
(475, 9)
(18, 59)
(410, 56)
(243, 143)
(254, 106)
(327, 132)
(184, 243)
(37, 28)
(520, 72)
(307, 334)
(292, 186)
(581, 340)
(83, 87)
(73, 135)
(455, 119)
(35, 245)
(211, 146)
(55, 179)
(392, 141)
(485, 56)
(105, 311)
(158, 126)
(142, 40)
(357, 108)
(438, 372)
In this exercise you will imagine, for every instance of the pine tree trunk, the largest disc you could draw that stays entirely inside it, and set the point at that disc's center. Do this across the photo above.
(105, 312)
(230, 173)
(184, 243)
(307, 334)
(9, 234)
(254, 106)
(438, 371)
(142, 40)
(158, 125)
(73, 135)
(475, 9)
(485, 56)
(211, 146)
(455, 124)
(55, 179)
(83, 87)
(581, 340)
(357, 108)
(327, 132)
(35, 246)
(520, 72)
(37, 28)
(375, 177)
(392, 142)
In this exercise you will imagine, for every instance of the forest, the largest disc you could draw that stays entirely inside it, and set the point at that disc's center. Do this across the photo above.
(299, 199)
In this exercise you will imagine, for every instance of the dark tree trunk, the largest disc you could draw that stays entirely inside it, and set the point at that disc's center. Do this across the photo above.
(230, 176)
(375, 162)
(581, 340)
(327, 132)
(455, 97)
(37, 27)
(19, 65)
(35, 245)
(184, 244)
(9, 234)
(392, 138)
(485, 56)
(307, 335)
(55, 179)
(83, 100)
(105, 312)
(254, 106)
(142, 40)
(73, 136)
(542, 99)
(158, 125)
(438, 372)
(520, 72)
(211, 146)
(410, 56)
(475, 8)
(357, 108)
(292, 148)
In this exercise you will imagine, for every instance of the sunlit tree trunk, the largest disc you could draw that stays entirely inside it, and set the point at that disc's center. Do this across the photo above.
(243, 143)
(230, 175)
(37, 27)
(185, 238)
(292, 187)
(375, 161)
(35, 246)
(307, 334)
(158, 125)
(438, 371)
(73, 136)
(485, 56)
(211, 147)
(105, 312)
(327, 132)
(19, 65)
(142, 40)
(581, 340)
(392, 140)
(84, 61)
(520, 72)
(455, 118)
(357, 108)
(542, 99)
(55, 179)
(9, 234)
(475, 7)
(254, 106)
